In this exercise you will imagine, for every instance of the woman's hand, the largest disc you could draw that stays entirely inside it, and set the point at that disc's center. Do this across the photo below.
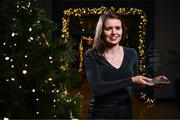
(142, 81)
(161, 78)
(161, 81)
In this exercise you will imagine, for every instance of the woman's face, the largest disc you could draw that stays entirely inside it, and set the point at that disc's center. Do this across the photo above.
(112, 31)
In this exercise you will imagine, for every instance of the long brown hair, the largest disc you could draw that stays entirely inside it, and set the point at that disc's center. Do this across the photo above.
(99, 43)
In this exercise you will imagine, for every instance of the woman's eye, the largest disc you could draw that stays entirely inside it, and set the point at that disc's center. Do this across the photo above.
(107, 28)
(118, 28)
(111, 28)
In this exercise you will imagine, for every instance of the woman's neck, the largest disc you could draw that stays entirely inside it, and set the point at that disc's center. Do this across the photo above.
(112, 50)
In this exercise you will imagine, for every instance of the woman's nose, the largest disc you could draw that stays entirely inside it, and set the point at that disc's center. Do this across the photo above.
(113, 31)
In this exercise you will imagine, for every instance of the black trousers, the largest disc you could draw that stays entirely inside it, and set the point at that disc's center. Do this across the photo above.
(113, 110)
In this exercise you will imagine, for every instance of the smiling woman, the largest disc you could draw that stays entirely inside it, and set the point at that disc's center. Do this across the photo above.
(112, 70)
(112, 35)
(112, 32)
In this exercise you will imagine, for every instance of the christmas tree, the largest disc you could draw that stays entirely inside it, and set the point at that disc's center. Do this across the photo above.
(37, 79)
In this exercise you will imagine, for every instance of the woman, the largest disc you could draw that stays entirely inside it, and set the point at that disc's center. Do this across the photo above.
(112, 70)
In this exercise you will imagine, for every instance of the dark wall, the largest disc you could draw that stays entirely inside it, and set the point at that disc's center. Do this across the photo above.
(167, 38)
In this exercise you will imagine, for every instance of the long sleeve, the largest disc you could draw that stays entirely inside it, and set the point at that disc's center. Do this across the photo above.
(136, 89)
(136, 63)
(98, 85)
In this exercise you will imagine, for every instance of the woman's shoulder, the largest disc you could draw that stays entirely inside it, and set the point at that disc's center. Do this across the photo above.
(89, 53)
(130, 51)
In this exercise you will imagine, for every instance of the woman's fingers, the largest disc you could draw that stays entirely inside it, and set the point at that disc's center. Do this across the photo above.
(146, 78)
(148, 83)
(164, 77)
(161, 77)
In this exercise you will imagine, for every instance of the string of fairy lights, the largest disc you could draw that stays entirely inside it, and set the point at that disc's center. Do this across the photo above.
(81, 12)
